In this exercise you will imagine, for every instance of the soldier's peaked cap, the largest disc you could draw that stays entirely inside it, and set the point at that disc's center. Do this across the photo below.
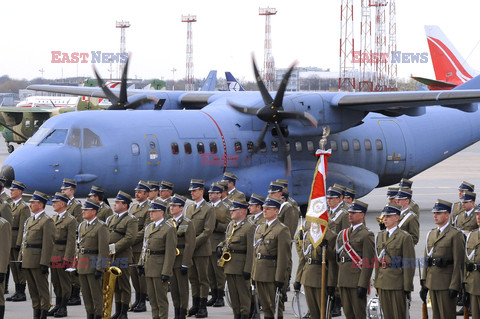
(477, 209)
(392, 209)
(216, 188)
(224, 184)
(468, 196)
(283, 181)
(272, 202)
(178, 200)
(196, 184)
(358, 207)
(466, 186)
(229, 177)
(392, 191)
(275, 187)
(442, 206)
(334, 192)
(91, 204)
(18, 185)
(123, 197)
(404, 193)
(158, 204)
(68, 183)
(154, 185)
(39, 197)
(339, 187)
(405, 183)
(166, 186)
(348, 192)
(60, 197)
(256, 199)
(143, 186)
(239, 205)
(96, 191)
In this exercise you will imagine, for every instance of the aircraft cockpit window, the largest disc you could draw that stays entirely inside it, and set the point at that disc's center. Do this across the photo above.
(57, 136)
(91, 139)
(39, 135)
(345, 145)
(175, 148)
(310, 146)
(356, 145)
(333, 145)
(274, 146)
(250, 146)
(188, 148)
(368, 144)
(238, 147)
(200, 148)
(75, 138)
(213, 147)
(298, 146)
(379, 145)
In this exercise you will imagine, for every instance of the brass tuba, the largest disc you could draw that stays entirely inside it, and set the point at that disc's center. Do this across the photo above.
(108, 288)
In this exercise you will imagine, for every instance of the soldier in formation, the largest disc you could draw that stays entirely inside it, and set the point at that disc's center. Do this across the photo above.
(5, 243)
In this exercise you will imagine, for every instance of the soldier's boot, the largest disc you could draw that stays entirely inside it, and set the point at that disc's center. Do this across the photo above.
(135, 303)
(212, 300)
(202, 309)
(20, 293)
(118, 310)
(90, 316)
(176, 312)
(36, 313)
(43, 314)
(58, 301)
(182, 313)
(14, 294)
(97, 317)
(242, 316)
(219, 302)
(337, 307)
(124, 311)
(7, 278)
(141, 306)
(62, 311)
(236, 316)
(2, 312)
(75, 297)
(194, 308)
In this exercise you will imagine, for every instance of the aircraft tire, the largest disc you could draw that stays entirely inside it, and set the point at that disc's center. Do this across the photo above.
(10, 148)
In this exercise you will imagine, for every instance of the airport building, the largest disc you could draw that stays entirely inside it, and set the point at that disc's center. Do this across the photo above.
(309, 79)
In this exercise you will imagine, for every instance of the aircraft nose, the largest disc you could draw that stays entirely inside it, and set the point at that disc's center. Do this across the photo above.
(8, 172)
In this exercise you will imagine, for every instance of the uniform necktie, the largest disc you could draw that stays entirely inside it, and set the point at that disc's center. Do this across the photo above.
(388, 234)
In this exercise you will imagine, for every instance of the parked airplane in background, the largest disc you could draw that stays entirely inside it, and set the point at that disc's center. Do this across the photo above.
(449, 66)
(210, 81)
(49, 101)
(377, 138)
(232, 83)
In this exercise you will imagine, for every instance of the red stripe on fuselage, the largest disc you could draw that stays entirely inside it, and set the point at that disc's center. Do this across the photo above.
(223, 141)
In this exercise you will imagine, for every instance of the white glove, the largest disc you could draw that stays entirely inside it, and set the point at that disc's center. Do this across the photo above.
(111, 249)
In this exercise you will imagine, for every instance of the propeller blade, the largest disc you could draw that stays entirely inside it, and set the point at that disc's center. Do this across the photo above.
(259, 141)
(283, 86)
(267, 98)
(244, 109)
(108, 93)
(298, 116)
(123, 86)
(286, 153)
(136, 104)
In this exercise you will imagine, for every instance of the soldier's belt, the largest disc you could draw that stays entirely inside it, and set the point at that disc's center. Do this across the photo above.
(344, 259)
(60, 242)
(155, 252)
(472, 267)
(88, 251)
(238, 251)
(311, 261)
(260, 256)
(439, 262)
(33, 245)
(15, 228)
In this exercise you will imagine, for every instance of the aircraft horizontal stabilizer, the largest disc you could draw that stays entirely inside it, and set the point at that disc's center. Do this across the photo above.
(359, 179)
(435, 85)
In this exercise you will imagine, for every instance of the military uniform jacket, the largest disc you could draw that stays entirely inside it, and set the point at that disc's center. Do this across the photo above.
(185, 242)
(472, 250)
(338, 219)
(222, 218)
(456, 209)
(123, 231)
(74, 208)
(203, 219)
(140, 212)
(5, 238)
(20, 213)
(158, 255)
(37, 242)
(257, 221)
(309, 271)
(240, 245)
(396, 261)
(92, 247)
(450, 246)
(104, 212)
(6, 212)
(410, 225)
(466, 223)
(272, 252)
(288, 215)
(294, 203)
(237, 196)
(65, 236)
(4, 198)
(414, 206)
(362, 241)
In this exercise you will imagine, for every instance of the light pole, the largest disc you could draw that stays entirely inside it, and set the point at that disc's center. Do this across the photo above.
(173, 81)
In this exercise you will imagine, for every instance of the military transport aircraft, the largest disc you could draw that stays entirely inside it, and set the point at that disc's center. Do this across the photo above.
(377, 138)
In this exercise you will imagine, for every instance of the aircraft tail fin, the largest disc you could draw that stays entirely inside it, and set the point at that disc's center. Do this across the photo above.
(210, 82)
(448, 64)
(232, 83)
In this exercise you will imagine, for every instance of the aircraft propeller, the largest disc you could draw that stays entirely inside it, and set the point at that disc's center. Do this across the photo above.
(121, 102)
(273, 113)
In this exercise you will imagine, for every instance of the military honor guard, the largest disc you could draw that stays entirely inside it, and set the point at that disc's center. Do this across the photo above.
(225, 199)
(92, 253)
(466, 219)
(5, 205)
(98, 194)
(62, 254)
(36, 253)
(472, 267)
(255, 207)
(20, 213)
(348, 196)
(457, 207)
(5, 243)
(272, 243)
(216, 276)
(203, 218)
(235, 255)
(166, 191)
(337, 215)
(406, 183)
(233, 193)
(408, 219)
(183, 261)
(396, 265)
(288, 215)
(154, 190)
(140, 211)
(391, 193)
(355, 250)
(290, 199)
(444, 258)
(158, 258)
(4, 197)
(123, 228)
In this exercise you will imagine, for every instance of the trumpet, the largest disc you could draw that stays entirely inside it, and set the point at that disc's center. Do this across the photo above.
(226, 256)
(177, 251)
(108, 288)
(380, 219)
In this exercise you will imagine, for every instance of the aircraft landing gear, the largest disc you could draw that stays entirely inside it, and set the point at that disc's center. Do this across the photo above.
(10, 148)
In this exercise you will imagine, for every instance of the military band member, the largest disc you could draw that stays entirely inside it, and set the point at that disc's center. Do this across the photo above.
(98, 194)
(396, 265)
(62, 254)
(292, 201)
(457, 207)
(238, 242)
(355, 250)
(255, 207)
(348, 196)
(36, 253)
(140, 211)
(466, 220)
(154, 190)
(123, 228)
(337, 216)
(472, 267)
(20, 213)
(408, 219)
(272, 244)
(5, 243)
(158, 257)
(444, 256)
(92, 258)
(183, 261)
(406, 183)
(216, 276)
(233, 193)
(203, 219)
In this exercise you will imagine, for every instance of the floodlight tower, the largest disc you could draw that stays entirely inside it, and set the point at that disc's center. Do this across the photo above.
(346, 79)
(392, 46)
(122, 25)
(189, 79)
(268, 60)
(365, 82)
(380, 63)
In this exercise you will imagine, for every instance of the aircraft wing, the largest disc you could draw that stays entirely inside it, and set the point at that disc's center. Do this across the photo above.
(27, 109)
(78, 90)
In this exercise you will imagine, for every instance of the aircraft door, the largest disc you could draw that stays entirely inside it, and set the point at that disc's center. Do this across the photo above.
(153, 150)
(394, 148)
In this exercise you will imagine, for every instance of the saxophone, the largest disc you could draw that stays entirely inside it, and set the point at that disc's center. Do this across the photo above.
(226, 255)
(108, 288)
(172, 220)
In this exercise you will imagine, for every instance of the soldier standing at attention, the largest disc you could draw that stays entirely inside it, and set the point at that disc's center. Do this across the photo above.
(354, 245)
(444, 257)
(408, 219)
(238, 242)
(166, 191)
(5, 206)
(457, 207)
(287, 214)
(98, 194)
(292, 201)
(466, 220)
(256, 210)
(5, 243)
(337, 216)
(203, 218)
(62, 254)
(36, 253)
(396, 265)
(154, 190)
(272, 243)
(225, 199)
(140, 211)
(233, 193)
(158, 257)
(123, 228)
(472, 266)
(348, 196)
(406, 183)
(20, 213)
(4, 198)
(183, 261)
(92, 258)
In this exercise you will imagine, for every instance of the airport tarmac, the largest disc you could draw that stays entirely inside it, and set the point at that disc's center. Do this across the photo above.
(440, 181)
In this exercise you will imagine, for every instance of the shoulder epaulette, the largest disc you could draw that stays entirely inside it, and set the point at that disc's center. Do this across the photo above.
(131, 216)
(225, 204)
(208, 204)
(3, 220)
(101, 221)
(152, 223)
(77, 201)
(69, 216)
(169, 223)
(185, 218)
(250, 221)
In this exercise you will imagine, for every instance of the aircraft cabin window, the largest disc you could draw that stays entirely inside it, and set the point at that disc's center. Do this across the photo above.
(57, 136)
(298, 146)
(27, 123)
(250, 146)
(333, 145)
(75, 138)
(36, 123)
(213, 147)
(200, 148)
(356, 145)
(91, 139)
(263, 147)
(379, 145)
(188, 148)
(345, 145)
(274, 146)
(238, 147)
(368, 144)
(135, 149)
(310, 146)
(175, 148)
